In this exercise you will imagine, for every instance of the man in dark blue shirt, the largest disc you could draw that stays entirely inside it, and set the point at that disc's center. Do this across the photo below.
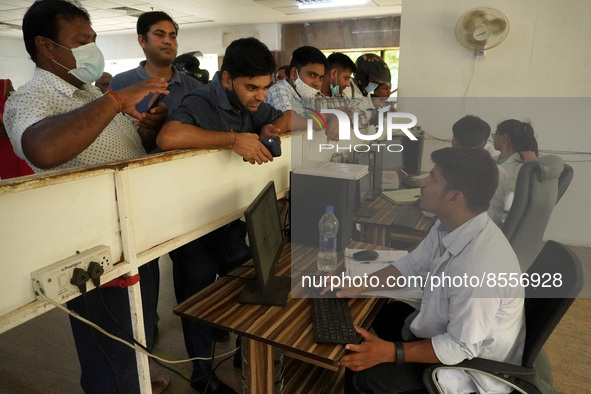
(228, 113)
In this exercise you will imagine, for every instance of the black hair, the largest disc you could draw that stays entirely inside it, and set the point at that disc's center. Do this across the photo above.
(284, 67)
(340, 61)
(521, 135)
(248, 57)
(147, 19)
(305, 55)
(471, 131)
(471, 171)
(41, 19)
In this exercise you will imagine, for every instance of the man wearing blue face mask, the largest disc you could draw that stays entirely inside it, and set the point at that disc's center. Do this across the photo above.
(59, 120)
(338, 73)
(371, 71)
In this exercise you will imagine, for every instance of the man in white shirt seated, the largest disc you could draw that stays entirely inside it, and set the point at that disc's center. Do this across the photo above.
(456, 321)
(473, 132)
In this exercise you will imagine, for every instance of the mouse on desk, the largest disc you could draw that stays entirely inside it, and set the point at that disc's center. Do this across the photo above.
(365, 255)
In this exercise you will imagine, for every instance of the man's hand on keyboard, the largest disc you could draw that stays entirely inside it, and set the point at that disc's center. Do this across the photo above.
(370, 352)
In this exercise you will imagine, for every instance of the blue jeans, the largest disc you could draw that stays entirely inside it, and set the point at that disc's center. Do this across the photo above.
(195, 266)
(97, 374)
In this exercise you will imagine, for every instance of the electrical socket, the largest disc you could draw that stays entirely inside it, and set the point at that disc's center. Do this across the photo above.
(54, 279)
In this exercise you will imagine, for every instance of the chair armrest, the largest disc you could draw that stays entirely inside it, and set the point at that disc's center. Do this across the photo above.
(513, 375)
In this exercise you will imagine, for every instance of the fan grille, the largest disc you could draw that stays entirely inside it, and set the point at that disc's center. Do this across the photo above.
(482, 28)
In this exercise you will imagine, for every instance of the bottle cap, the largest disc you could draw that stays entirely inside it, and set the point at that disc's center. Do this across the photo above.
(329, 208)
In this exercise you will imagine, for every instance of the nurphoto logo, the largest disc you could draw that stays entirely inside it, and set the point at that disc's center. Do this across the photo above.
(402, 121)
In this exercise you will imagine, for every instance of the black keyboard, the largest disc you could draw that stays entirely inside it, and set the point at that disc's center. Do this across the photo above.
(408, 216)
(332, 321)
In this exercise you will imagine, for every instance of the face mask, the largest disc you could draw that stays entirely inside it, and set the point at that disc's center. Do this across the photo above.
(371, 86)
(335, 90)
(235, 100)
(90, 62)
(303, 89)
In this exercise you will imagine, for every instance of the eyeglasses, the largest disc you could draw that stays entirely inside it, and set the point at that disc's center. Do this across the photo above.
(493, 135)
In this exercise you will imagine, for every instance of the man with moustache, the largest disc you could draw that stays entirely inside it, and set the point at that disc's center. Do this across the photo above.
(157, 35)
(58, 120)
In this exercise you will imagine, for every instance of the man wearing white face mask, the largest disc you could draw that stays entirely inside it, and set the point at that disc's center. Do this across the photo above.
(59, 120)
(293, 94)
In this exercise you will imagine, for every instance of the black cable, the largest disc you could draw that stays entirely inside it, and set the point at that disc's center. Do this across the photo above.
(130, 335)
(286, 221)
(224, 360)
(158, 362)
(99, 348)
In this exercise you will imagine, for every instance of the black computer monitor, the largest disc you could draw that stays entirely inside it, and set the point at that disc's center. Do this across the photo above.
(266, 242)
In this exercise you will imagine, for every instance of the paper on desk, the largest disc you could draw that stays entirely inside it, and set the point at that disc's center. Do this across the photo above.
(402, 196)
(359, 268)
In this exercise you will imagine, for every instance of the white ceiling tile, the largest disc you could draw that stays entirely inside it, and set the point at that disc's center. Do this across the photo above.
(10, 15)
(17, 3)
(218, 12)
(4, 7)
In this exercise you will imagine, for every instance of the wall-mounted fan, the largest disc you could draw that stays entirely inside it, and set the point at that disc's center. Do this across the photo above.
(482, 28)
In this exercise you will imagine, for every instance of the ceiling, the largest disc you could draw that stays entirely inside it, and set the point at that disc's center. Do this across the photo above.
(121, 15)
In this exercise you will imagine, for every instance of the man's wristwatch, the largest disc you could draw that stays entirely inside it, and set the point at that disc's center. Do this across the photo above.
(399, 353)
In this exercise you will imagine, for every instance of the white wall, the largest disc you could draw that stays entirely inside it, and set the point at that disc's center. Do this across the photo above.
(205, 39)
(16, 65)
(545, 58)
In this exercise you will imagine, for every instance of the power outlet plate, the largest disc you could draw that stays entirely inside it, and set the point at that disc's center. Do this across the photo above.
(54, 280)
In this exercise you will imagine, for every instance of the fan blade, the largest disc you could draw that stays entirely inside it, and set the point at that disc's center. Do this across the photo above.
(473, 20)
(497, 25)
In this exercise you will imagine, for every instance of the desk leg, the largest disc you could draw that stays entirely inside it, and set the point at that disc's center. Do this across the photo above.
(258, 366)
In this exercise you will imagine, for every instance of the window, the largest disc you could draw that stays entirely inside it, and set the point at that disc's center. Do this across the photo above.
(390, 56)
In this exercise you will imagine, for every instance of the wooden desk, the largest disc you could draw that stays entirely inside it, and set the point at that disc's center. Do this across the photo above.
(379, 230)
(289, 328)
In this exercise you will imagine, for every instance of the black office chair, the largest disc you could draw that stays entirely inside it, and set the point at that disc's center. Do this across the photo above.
(566, 176)
(536, 191)
(544, 307)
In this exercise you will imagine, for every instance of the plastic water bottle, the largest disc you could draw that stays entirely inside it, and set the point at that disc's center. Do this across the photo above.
(328, 227)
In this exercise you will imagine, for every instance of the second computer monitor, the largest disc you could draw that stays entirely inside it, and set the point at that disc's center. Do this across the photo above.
(265, 236)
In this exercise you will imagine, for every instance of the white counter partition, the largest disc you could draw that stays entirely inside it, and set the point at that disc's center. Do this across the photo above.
(141, 209)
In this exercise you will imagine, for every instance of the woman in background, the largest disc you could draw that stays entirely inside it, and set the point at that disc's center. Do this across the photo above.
(517, 144)
(11, 166)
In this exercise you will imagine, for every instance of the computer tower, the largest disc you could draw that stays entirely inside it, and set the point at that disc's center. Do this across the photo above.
(309, 197)
(413, 152)
(374, 159)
